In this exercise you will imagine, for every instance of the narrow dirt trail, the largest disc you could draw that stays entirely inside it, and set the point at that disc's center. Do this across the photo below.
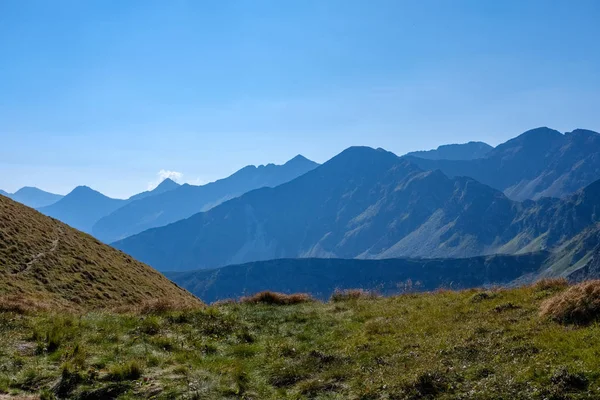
(52, 249)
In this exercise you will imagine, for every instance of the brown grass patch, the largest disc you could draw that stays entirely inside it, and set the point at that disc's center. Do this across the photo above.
(158, 306)
(20, 305)
(274, 298)
(224, 302)
(579, 305)
(352, 294)
(551, 284)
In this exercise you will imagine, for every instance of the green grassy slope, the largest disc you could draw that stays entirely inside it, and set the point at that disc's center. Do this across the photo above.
(45, 261)
(444, 345)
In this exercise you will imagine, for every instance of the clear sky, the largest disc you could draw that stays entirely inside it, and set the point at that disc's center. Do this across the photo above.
(108, 93)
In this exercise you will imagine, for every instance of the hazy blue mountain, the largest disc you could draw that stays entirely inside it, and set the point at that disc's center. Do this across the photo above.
(82, 208)
(539, 163)
(165, 186)
(367, 203)
(33, 197)
(363, 203)
(321, 277)
(465, 151)
(188, 200)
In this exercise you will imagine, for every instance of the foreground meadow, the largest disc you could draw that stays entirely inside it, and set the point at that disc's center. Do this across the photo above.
(471, 344)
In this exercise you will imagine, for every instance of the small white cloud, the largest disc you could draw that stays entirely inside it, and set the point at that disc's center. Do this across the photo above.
(164, 174)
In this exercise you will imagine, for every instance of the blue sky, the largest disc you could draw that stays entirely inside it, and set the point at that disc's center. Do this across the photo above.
(108, 93)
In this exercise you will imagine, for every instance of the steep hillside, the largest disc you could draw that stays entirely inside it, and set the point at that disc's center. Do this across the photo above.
(539, 163)
(82, 208)
(33, 197)
(465, 151)
(45, 260)
(321, 277)
(188, 200)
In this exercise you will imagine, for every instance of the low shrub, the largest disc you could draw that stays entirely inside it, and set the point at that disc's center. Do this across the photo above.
(568, 381)
(158, 307)
(426, 385)
(224, 302)
(128, 371)
(352, 294)
(551, 284)
(481, 296)
(70, 378)
(150, 325)
(506, 307)
(579, 305)
(274, 298)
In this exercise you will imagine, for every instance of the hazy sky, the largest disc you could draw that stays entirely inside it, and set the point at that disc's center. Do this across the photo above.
(108, 93)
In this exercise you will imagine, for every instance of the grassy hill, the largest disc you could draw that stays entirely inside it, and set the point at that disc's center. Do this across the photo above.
(470, 344)
(46, 263)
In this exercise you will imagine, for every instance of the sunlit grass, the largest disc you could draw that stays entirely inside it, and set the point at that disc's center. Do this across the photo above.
(470, 344)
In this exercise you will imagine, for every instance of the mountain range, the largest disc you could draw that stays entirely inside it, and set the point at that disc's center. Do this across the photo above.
(33, 197)
(539, 163)
(465, 151)
(83, 207)
(187, 200)
(49, 263)
(538, 192)
(371, 204)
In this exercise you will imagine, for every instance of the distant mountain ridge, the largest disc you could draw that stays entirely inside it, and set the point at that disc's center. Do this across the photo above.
(357, 205)
(321, 277)
(82, 207)
(32, 197)
(371, 204)
(539, 163)
(165, 186)
(465, 151)
(187, 200)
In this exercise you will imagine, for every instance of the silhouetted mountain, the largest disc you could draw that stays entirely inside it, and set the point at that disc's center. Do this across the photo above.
(82, 208)
(465, 151)
(165, 186)
(539, 163)
(33, 197)
(367, 203)
(321, 277)
(188, 200)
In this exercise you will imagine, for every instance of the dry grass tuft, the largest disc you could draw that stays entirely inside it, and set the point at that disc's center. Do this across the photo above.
(352, 294)
(579, 305)
(224, 302)
(274, 298)
(551, 284)
(19, 305)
